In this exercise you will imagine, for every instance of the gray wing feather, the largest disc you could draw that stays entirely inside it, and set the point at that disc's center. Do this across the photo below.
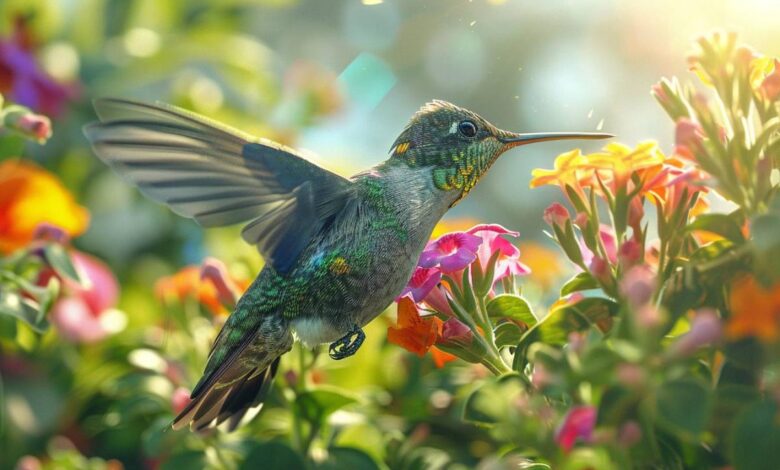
(219, 176)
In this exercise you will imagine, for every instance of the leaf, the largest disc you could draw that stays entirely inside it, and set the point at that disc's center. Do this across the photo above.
(60, 261)
(556, 326)
(683, 407)
(755, 442)
(187, 459)
(507, 333)
(582, 281)
(721, 224)
(27, 310)
(346, 457)
(271, 455)
(766, 244)
(512, 307)
(11, 145)
(316, 405)
(488, 404)
(568, 241)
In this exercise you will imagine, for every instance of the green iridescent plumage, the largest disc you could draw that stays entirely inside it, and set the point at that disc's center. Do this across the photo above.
(337, 250)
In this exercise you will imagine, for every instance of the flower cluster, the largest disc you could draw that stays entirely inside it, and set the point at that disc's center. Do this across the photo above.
(445, 307)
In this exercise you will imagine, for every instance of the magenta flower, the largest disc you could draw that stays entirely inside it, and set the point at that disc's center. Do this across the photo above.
(706, 329)
(509, 258)
(23, 80)
(85, 314)
(454, 329)
(422, 282)
(578, 424)
(452, 252)
(556, 214)
(610, 246)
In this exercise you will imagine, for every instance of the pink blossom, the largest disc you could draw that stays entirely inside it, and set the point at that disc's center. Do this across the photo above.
(216, 272)
(600, 269)
(180, 399)
(422, 282)
(577, 425)
(607, 237)
(556, 214)
(688, 134)
(638, 285)
(455, 329)
(706, 328)
(508, 262)
(437, 300)
(81, 314)
(36, 126)
(452, 252)
(630, 252)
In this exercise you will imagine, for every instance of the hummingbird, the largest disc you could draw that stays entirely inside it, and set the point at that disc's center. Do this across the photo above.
(337, 250)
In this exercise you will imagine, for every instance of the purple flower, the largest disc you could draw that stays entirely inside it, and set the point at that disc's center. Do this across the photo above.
(422, 282)
(578, 424)
(509, 258)
(451, 252)
(23, 80)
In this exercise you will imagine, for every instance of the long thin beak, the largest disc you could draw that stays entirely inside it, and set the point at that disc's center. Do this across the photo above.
(513, 140)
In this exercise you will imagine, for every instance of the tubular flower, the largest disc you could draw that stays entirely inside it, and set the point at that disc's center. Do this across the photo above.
(422, 282)
(199, 283)
(30, 196)
(577, 425)
(616, 162)
(755, 310)
(411, 331)
(452, 252)
(508, 262)
(565, 171)
(87, 314)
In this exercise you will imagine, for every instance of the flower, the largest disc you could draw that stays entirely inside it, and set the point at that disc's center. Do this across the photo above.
(705, 329)
(459, 224)
(543, 262)
(179, 400)
(422, 282)
(578, 424)
(86, 314)
(755, 310)
(30, 196)
(688, 136)
(638, 285)
(508, 262)
(556, 214)
(607, 237)
(211, 285)
(437, 299)
(452, 252)
(411, 331)
(27, 123)
(564, 172)
(441, 358)
(22, 79)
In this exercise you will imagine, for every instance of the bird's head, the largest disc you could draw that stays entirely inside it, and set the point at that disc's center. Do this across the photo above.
(458, 146)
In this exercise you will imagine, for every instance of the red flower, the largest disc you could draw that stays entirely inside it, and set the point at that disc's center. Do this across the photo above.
(578, 424)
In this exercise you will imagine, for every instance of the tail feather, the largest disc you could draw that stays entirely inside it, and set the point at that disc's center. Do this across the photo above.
(220, 402)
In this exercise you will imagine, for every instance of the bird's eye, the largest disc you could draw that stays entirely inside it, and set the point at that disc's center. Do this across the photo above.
(467, 128)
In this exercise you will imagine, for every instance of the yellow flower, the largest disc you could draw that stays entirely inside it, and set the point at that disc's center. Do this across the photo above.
(755, 311)
(565, 171)
(616, 162)
(29, 196)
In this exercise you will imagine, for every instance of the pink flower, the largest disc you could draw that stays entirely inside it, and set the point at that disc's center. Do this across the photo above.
(638, 285)
(630, 252)
(180, 399)
(216, 272)
(422, 282)
(556, 214)
(706, 328)
(600, 269)
(508, 262)
(688, 136)
(86, 313)
(578, 424)
(610, 246)
(454, 329)
(452, 252)
(437, 300)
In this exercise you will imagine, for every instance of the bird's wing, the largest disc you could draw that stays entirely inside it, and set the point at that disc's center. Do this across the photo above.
(218, 175)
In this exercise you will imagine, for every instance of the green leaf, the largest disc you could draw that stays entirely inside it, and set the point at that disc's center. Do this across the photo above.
(346, 457)
(598, 364)
(683, 407)
(187, 459)
(568, 241)
(60, 261)
(11, 145)
(27, 310)
(556, 326)
(580, 282)
(720, 224)
(316, 405)
(272, 455)
(507, 333)
(755, 442)
(512, 307)
(488, 404)
(766, 245)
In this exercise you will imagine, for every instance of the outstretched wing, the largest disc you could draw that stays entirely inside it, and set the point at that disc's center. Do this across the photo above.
(218, 175)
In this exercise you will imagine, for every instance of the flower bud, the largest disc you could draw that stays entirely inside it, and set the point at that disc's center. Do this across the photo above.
(706, 329)
(630, 253)
(577, 425)
(180, 399)
(556, 214)
(27, 123)
(600, 269)
(770, 87)
(215, 271)
(638, 285)
(688, 135)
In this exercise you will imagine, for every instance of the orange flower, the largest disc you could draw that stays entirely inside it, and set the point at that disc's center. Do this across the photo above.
(440, 358)
(29, 196)
(413, 332)
(755, 310)
(188, 283)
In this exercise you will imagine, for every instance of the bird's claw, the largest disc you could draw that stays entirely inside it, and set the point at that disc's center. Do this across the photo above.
(347, 345)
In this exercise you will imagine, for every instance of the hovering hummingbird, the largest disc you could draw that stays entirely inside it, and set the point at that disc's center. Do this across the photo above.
(337, 250)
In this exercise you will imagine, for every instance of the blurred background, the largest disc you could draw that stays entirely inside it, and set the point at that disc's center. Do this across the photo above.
(338, 79)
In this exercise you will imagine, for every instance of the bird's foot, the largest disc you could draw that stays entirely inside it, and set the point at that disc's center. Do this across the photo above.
(347, 345)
